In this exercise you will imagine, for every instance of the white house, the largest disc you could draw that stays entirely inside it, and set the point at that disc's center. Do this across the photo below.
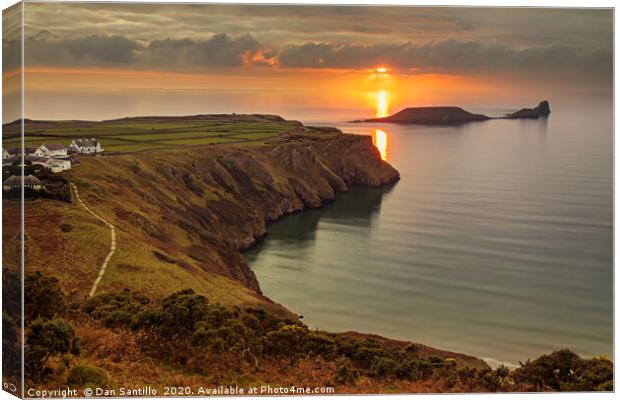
(86, 146)
(17, 151)
(53, 164)
(56, 150)
(56, 165)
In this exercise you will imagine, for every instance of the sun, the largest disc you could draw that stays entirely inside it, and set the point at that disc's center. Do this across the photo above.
(381, 70)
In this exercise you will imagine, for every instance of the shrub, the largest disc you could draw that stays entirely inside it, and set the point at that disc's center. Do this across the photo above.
(565, 370)
(115, 309)
(43, 297)
(594, 374)
(382, 366)
(488, 379)
(56, 336)
(66, 228)
(286, 341)
(412, 349)
(176, 316)
(405, 369)
(319, 344)
(48, 338)
(421, 370)
(365, 354)
(345, 373)
(87, 375)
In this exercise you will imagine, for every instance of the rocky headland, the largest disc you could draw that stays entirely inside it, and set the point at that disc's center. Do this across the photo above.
(541, 110)
(212, 202)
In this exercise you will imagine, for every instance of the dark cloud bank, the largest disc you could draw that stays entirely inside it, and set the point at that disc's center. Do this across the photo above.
(223, 50)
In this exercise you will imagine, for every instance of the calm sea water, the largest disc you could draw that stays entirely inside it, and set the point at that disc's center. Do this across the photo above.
(497, 241)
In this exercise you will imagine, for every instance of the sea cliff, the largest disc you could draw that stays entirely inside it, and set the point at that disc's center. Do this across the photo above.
(211, 202)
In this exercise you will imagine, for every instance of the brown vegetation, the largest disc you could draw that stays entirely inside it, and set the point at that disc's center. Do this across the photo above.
(127, 339)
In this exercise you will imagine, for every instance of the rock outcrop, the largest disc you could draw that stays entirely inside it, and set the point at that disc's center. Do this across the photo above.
(541, 110)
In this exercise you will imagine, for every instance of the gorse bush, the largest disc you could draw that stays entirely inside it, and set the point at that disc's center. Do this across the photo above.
(87, 375)
(565, 370)
(346, 373)
(48, 338)
(115, 309)
(43, 297)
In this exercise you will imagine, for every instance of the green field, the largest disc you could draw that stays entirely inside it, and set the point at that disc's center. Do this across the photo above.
(145, 133)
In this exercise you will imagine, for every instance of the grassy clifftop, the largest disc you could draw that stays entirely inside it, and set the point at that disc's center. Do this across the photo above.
(182, 215)
(149, 133)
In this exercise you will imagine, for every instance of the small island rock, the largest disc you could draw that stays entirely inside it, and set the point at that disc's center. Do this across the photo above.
(541, 110)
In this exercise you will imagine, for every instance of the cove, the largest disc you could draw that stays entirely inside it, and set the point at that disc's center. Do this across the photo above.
(496, 242)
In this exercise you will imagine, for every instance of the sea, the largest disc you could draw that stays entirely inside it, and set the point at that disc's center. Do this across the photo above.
(497, 241)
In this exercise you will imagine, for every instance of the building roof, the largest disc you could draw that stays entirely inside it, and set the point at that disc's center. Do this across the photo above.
(17, 150)
(29, 180)
(55, 146)
(10, 160)
(36, 159)
(13, 181)
(86, 142)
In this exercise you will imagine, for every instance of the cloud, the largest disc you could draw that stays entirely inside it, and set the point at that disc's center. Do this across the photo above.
(11, 38)
(11, 54)
(362, 25)
(221, 50)
(448, 55)
(434, 39)
(110, 49)
(92, 50)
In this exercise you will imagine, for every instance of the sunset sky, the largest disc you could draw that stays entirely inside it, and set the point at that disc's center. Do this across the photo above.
(111, 60)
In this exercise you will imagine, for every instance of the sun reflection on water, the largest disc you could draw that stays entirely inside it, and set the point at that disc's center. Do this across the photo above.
(382, 104)
(380, 140)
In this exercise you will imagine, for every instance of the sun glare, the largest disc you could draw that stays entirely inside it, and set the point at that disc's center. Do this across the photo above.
(381, 70)
(380, 140)
(382, 104)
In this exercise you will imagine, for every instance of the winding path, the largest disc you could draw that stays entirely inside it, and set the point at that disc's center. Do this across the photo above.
(112, 240)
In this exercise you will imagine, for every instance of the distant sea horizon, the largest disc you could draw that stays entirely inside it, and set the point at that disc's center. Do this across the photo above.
(104, 105)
